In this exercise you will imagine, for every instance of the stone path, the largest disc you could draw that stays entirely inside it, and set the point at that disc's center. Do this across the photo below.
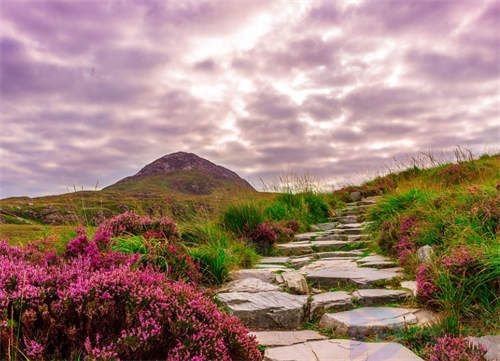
(327, 277)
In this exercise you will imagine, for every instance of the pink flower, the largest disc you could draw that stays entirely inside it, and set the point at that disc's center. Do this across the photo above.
(451, 348)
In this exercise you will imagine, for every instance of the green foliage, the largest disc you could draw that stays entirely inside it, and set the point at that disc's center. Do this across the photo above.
(134, 244)
(243, 217)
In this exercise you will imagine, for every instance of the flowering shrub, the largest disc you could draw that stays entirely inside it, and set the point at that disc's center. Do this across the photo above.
(78, 308)
(426, 287)
(263, 237)
(451, 348)
(405, 246)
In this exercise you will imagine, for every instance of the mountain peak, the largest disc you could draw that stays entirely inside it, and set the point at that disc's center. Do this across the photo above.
(205, 175)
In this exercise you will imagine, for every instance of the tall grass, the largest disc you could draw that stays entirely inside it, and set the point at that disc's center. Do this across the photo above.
(243, 217)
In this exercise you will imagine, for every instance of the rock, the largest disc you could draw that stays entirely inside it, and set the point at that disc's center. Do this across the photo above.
(323, 226)
(410, 285)
(296, 282)
(285, 338)
(300, 261)
(376, 261)
(425, 253)
(249, 285)
(353, 253)
(367, 321)
(266, 310)
(341, 350)
(330, 301)
(355, 196)
(262, 274)
(338, 275)
(374, 296)
(274, 260)
(272, 267)
(492, 345)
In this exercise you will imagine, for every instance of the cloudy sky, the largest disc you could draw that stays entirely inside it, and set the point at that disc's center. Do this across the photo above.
(93, 90)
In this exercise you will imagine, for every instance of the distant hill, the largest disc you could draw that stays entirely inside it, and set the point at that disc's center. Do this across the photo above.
(183, 172)
(179, 184)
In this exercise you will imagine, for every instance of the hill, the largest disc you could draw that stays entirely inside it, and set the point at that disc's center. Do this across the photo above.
(178, 184)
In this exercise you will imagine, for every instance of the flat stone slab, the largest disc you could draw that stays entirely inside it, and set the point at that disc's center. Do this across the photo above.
(300, 261)
(492, 345)
(286, 338)
(366, 321)
(324, 226)
(274, 260)
(378, 296)
(377, 261)
(353, 253)
(330, 301)
(262, 274)
(341, 350)
(306, 247)
(272, 267)
(266, 310)
(338, 273)
(252, 285)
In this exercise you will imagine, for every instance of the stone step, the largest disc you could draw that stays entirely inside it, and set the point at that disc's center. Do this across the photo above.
(286, 338)
(324, 226)
(379, 296)
(252, 285)
(329, 301)
(305, 247)
(371, 321)
(274, 260)
(341, 350)
(266, 310)
(376, 261)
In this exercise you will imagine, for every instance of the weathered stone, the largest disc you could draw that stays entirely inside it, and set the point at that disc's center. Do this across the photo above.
(373, 296)
(308, 236)
(295, 282)
(492, 345)
(410, 285)
(376, 261)
(367, 321)
(341, 350)
(295, 248)
(323, 226)
(330, 301)
(425, 253)
(337, 273)
(274, 260)
(300, 261)
(353, 253)
(262, 274)
(272, 267)
(266, 310)
(249, 285)
(355, 196)
(286, 338)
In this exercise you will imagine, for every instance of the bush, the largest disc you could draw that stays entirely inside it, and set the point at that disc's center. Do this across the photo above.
(451, 348)
(104, 307)
(242, 218)
(263, 237)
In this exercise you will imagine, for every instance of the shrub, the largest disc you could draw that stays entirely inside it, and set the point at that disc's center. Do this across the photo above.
(263, 237)
(242, 218)
(451, 348)
(80, 309)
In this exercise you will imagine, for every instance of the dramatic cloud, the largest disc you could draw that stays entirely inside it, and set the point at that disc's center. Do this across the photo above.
(92, 90)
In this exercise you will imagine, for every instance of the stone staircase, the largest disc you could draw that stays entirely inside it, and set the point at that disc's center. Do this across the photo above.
(328, 278)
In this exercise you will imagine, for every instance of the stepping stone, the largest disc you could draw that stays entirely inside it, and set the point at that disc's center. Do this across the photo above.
(368, 321)
(355, 231)
(357, 238)
(354, 225)
(286, 338)
(410, 285)
(274, 260)
(249, 285)
(377, 261)
(341, 350)
(374, 296)
(353, 253)
(300, 261)
(308, 236)
(324, 226)
(295, 248)
(262, 274)
(492, 345)
(295, 282)
(272, 267)
(330, 301)
(337, 274)
(266, 310)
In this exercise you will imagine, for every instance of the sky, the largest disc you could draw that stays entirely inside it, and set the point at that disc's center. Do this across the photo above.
(91, 91)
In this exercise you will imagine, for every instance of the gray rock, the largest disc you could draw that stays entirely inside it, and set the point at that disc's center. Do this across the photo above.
(353, 253)
(286, 338)
(272, 267)
(262, 274)
(341, 350)
(330, 301)
(355, 196)
(323, 226)
(300, 261)
(410, 285)
(357, 276)
(376, 261)
(425, 253)
(249, 285)
(492, 345)
(266, 310)
(296, 282)
(274, 260)
(374, 296)
(366, 321)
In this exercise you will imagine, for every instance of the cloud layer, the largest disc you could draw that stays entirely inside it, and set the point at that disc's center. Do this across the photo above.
(93, 90)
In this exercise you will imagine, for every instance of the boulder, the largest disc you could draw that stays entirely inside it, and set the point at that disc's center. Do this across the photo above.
(266, 310)
(410, 285)
(425, 253)
(355, 196)
(295, 282)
